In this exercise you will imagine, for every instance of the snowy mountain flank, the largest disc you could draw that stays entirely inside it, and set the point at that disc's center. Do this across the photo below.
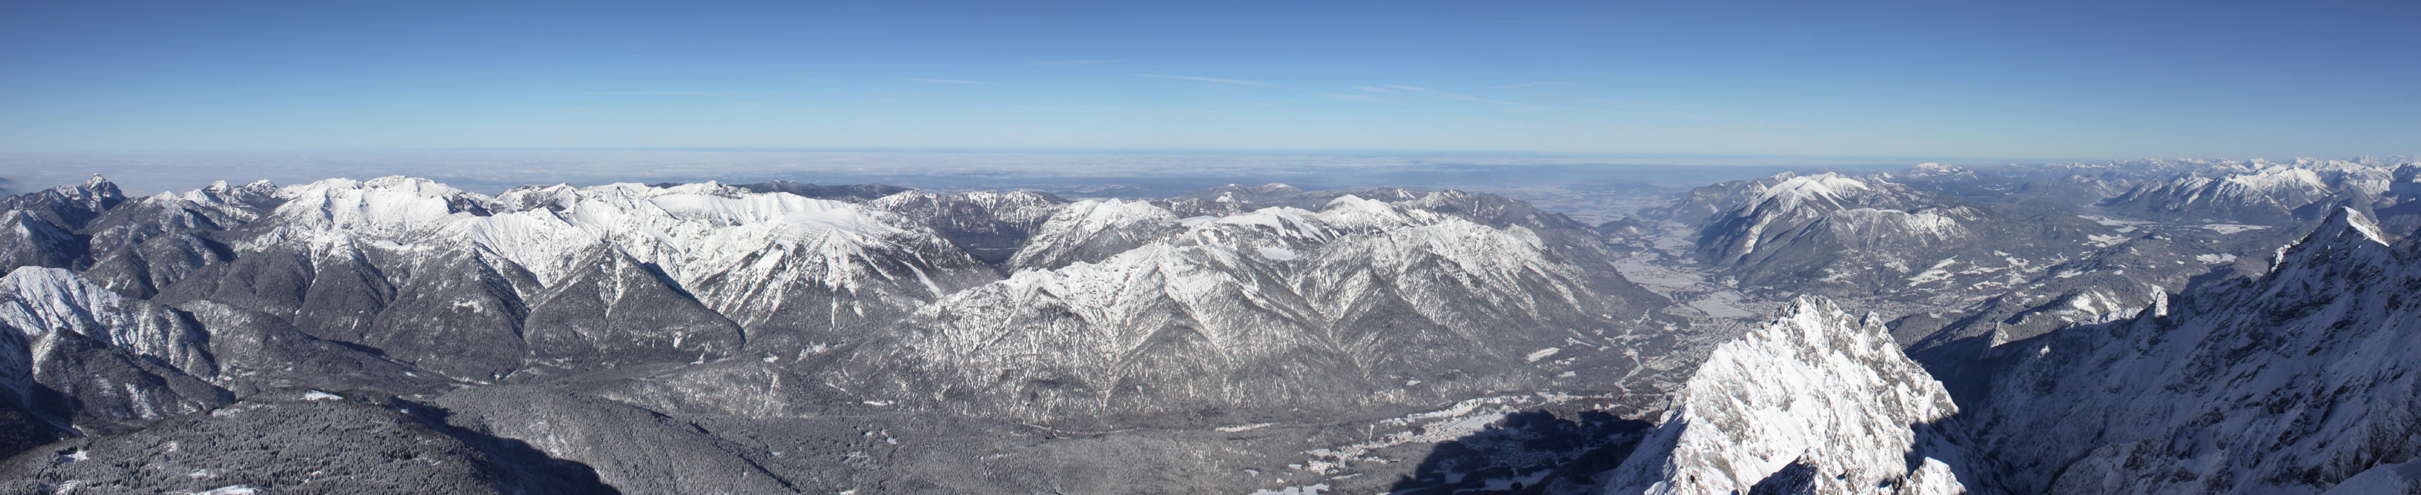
(2157, 326)
(2290, 383)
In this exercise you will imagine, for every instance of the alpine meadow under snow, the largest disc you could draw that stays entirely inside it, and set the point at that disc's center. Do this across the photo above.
(2192, 326)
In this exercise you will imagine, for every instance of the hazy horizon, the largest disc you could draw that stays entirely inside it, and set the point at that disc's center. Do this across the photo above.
(2049, 81)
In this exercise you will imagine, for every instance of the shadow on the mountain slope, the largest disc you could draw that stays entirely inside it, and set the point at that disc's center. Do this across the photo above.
(23, 427)
(525, 469)
(1526, 453)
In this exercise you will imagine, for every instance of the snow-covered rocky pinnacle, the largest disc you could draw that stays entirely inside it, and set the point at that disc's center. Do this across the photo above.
(1817, 401)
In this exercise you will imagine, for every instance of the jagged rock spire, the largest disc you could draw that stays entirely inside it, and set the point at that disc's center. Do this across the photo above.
(1817, 401)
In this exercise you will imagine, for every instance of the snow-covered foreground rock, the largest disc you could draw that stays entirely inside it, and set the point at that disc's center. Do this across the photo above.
(1818, 401)
(2292, 383)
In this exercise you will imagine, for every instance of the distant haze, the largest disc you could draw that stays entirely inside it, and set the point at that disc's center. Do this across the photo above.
(1105, 174)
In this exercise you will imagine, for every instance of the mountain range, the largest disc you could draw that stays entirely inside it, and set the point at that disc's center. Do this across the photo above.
(2134, 327)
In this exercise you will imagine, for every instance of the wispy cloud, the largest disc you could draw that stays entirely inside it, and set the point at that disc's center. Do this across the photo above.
(1214, 79)
(943, 81)
(1073, 62)
(1452, 96)
(688, 93)
(1530, 84)
(1362, 97)
(1375, 90)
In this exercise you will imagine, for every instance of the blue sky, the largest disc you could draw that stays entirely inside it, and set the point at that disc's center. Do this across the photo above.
(1922, 80)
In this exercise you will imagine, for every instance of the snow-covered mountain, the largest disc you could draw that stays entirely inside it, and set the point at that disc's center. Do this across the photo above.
(2291, 383)
(1848, 236)
(38, 228)
(1094, 230)
(104, 362)
(2044, 336)
(1358, 304)
(2257, 192)
(1816, 401)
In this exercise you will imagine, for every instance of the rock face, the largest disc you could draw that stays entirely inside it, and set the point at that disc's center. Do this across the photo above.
(2291, 383)
(1815, 402)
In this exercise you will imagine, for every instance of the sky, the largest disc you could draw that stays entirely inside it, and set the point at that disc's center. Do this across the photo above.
(1936, 81)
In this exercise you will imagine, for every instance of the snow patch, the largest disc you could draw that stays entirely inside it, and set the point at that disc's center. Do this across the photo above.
(318, 395)
(1543, 353)
(1276, 253)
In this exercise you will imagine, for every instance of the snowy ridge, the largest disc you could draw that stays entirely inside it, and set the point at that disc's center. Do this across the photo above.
(1796, 192)
(2268, 193)
(822, 264)
(2288, 384)
(385, 207)
(36, 301)
(1815, 402)
(1092, 230)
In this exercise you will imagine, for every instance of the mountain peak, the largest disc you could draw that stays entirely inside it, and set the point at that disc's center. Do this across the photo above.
(1827, 186)
(2344, 231)
(2345, 223)
(1816, 398)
